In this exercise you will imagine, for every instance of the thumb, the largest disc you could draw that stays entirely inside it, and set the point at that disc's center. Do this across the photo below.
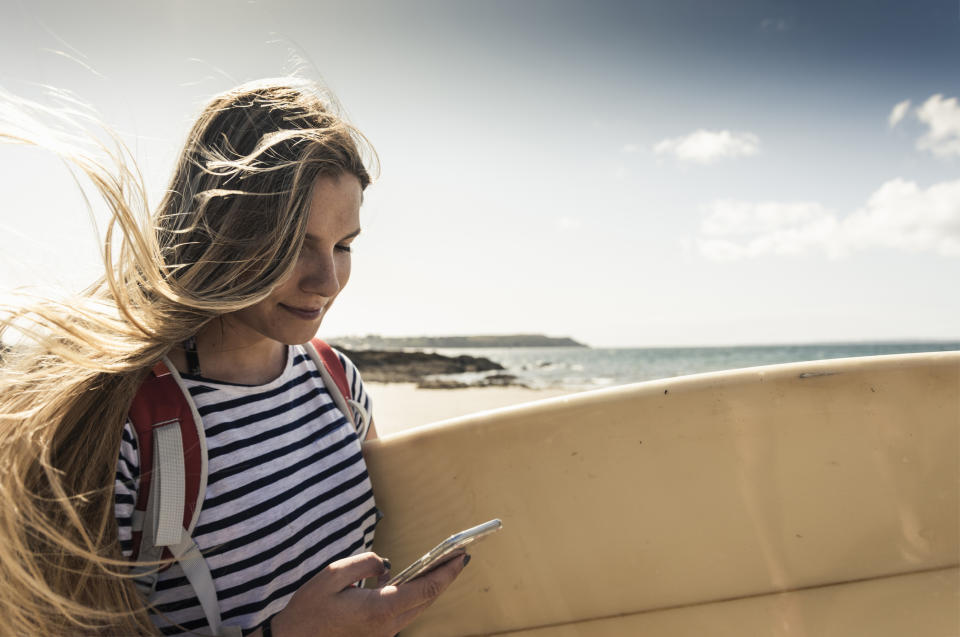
(344, 573)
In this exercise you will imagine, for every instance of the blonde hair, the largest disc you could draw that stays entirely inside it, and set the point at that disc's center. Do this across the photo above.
(229, 228)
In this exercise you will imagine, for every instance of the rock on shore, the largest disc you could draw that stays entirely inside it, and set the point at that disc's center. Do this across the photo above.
(390, 366)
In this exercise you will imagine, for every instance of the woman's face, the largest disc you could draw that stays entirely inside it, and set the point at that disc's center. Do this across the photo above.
(293, 311)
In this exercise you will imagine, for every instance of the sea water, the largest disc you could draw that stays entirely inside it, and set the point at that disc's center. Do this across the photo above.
(591, 368)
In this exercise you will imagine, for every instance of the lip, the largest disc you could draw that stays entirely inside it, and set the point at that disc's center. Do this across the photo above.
(307, 314)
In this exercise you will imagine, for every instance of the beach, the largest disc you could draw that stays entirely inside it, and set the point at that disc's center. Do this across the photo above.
(411, 388)
(400, 406)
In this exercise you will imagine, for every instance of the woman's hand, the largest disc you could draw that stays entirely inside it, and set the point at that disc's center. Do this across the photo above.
(331, 606)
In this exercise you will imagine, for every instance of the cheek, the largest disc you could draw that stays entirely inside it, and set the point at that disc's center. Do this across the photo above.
(291, 284)
(255, 315)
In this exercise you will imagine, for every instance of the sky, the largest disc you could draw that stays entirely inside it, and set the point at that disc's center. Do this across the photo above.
(682, 172)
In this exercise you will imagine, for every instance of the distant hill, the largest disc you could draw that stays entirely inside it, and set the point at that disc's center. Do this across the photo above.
(374, 341)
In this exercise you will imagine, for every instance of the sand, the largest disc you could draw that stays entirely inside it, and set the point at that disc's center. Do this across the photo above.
(399, 406)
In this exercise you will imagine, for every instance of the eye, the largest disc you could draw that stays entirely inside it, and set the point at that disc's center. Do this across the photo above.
(343, 248)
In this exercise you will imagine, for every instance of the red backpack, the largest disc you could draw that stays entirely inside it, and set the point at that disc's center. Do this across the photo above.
(173, 474)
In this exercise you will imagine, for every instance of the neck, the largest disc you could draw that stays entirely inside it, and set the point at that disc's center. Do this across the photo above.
(232, 354)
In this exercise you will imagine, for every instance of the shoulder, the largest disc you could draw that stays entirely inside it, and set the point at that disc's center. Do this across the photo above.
(362, 403)
(348, 365)
(325, 351)
(357, 390)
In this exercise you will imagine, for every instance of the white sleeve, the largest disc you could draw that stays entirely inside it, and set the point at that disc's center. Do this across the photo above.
(125, 487)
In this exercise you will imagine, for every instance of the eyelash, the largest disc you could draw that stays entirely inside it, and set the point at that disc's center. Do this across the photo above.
(343, 249)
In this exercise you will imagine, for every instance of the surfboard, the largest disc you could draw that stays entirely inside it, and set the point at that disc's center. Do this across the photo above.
(818, 498)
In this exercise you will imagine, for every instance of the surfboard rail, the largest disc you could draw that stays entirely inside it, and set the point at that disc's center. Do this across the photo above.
(786, 482)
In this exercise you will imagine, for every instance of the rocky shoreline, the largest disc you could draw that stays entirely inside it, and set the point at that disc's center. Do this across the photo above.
(422, 368)
(392, 343)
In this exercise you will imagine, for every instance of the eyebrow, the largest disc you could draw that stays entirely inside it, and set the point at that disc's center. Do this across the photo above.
(315, 239)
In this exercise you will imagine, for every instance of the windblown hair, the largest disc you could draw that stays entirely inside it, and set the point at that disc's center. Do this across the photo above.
(229, 228)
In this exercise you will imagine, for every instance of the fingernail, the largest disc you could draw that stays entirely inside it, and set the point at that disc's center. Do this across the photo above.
(386, 564)
(466, 560)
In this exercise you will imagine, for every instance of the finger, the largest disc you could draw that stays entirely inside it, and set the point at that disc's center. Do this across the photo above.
(428, 587)
(346, 572)
(408, 616)
(383, 579)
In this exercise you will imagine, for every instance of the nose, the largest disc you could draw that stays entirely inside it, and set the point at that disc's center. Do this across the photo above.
(321, 278)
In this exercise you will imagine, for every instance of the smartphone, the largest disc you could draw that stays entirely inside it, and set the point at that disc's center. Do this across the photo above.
(442, 551)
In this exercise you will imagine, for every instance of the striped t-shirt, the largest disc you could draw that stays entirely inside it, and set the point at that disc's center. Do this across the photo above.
(287, 493)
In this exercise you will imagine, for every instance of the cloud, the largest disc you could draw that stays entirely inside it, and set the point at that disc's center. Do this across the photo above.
(739, 229)
(942, 117)
(630, 148)
(703, 146)
(903, 216)
(898, 113)
(899, 215)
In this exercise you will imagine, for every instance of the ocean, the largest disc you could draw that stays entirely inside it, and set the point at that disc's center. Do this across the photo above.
(588, 368)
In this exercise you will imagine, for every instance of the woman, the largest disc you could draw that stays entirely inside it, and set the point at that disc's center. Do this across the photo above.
(229, 278)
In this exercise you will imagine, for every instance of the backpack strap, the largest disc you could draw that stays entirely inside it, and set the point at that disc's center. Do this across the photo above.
(173, 481)
(335, 378)
(173, 458)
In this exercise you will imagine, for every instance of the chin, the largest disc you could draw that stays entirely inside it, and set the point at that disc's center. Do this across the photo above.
(296, 339)
(298, 334)
(301, 337)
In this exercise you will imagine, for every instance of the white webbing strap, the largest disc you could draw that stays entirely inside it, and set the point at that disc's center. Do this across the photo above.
(342, 402)
(167, 484)
(364, 425)
(137, 520)
(162, 522)
(338, 398)
(191, 561)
